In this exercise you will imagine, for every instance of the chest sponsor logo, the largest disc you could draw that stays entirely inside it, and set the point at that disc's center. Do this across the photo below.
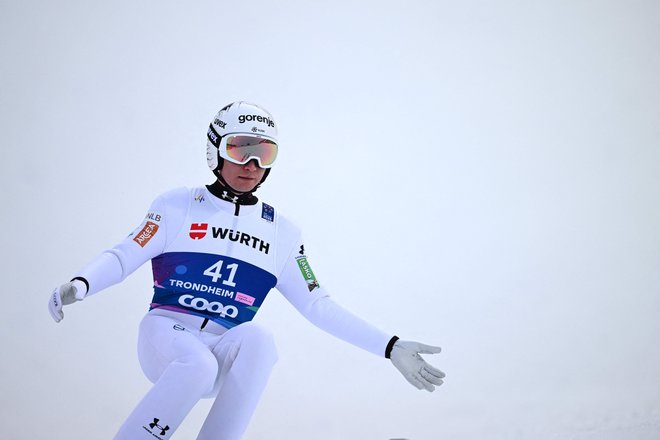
(147, 232)
(202, 304)
(200, 230)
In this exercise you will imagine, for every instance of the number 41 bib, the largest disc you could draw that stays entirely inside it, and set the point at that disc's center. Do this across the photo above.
(223, 289)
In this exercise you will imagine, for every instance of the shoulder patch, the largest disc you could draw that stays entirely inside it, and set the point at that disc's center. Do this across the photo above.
(198, 194)
(267, 212)
(145, 234)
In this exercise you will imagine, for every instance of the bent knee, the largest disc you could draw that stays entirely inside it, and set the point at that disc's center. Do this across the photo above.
(257, 339)
(197, 371)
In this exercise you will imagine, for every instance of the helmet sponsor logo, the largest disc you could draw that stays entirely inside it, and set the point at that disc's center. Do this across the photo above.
(213, 136)
(252, 118)
(202, 304)
(198, 230)
(257, 130)
(147, 232)
(219, 123)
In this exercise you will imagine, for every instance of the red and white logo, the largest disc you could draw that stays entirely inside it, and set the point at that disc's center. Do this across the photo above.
(198, 230)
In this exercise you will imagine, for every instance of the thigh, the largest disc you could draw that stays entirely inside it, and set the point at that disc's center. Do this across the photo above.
(163, 340)
(249, 344)
(248, 338)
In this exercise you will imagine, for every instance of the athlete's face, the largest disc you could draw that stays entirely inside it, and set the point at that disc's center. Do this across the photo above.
(242, 178)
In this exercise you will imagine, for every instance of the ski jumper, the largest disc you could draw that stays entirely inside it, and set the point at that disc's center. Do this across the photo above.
(214, 262)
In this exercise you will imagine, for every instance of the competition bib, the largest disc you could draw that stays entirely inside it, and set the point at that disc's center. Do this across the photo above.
(223, 289)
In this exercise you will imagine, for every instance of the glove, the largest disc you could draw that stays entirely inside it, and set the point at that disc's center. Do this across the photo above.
(405, 357)
(64, 295)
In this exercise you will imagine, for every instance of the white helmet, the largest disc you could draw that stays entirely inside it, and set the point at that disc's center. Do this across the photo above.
(241, 118)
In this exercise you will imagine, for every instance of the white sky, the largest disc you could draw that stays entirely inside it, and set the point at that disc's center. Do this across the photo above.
(481, 175)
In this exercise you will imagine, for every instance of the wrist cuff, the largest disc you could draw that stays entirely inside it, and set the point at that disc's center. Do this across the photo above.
(84, 281)
(390, 344)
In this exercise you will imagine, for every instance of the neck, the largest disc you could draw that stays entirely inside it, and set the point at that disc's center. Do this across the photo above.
(223, 191)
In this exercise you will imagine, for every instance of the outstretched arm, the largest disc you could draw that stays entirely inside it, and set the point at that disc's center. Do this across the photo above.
(300, 287)
(115, 264)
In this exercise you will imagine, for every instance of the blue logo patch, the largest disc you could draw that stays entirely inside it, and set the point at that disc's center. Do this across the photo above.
(268, 212)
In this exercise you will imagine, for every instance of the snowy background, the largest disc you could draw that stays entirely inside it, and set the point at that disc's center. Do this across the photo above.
(481, 175)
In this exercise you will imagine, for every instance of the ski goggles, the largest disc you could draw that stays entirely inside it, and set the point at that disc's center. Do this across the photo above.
(240, 148)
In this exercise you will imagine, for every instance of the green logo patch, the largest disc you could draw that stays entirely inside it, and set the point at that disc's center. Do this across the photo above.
(307, 273)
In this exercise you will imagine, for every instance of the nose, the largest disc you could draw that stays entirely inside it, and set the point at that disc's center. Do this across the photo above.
(251, 165)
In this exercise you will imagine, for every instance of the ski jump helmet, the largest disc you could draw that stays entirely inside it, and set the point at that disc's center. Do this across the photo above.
(241, 120)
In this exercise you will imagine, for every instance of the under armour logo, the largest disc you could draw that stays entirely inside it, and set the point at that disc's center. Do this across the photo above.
(226, 196)
(163, 429)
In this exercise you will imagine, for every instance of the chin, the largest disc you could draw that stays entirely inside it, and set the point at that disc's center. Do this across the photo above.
(245, 187)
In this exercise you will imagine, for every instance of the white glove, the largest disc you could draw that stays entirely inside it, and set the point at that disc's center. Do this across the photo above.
(64, 295)
(405, 357)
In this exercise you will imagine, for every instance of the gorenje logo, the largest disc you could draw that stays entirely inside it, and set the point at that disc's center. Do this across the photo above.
(249, 118)
(211, 306)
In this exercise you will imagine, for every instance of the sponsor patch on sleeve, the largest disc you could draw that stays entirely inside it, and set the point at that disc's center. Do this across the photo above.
(146, 233)
(154, 216)
(307, 273)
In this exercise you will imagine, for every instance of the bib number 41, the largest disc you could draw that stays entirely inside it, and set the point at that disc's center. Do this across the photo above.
(215, 272)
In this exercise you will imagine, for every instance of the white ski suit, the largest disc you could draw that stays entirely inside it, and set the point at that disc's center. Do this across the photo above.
(213, 264)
